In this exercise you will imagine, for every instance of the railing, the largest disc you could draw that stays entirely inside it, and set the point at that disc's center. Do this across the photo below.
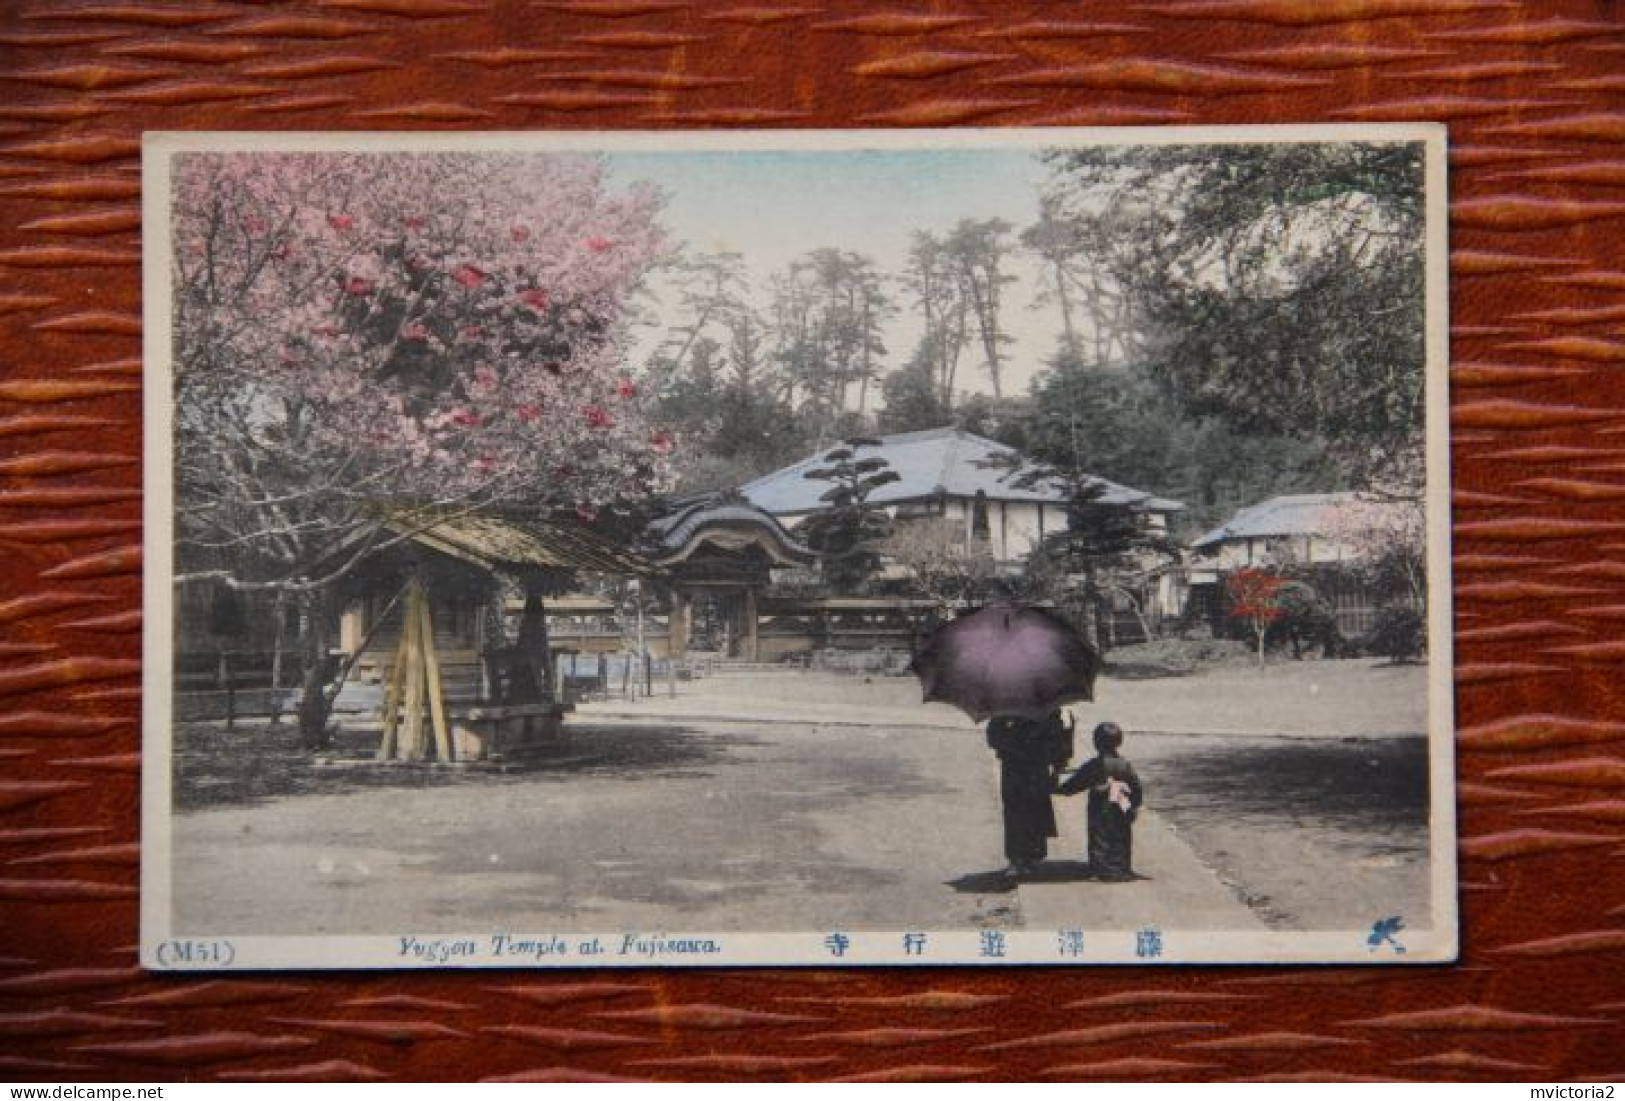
(627, 676)
(230, 684)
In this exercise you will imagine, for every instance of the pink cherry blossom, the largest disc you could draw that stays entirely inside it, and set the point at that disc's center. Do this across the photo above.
(661, 441)
(522, 239)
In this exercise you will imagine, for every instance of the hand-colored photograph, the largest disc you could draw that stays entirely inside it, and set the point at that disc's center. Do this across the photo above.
(849, 548)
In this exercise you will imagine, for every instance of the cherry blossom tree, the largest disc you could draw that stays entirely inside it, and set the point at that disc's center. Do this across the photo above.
(941, 565)
(1387, 541)
(361, 335)
(1386, 535)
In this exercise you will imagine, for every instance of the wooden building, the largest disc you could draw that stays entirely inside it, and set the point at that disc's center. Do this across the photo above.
(717, 555)
(1302, 535)
(448, 627)
(993, 495)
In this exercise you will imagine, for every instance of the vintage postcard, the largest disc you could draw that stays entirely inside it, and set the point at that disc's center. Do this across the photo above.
(822, 548)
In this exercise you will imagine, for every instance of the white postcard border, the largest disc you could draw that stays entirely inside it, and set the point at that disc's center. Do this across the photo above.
(164, 948)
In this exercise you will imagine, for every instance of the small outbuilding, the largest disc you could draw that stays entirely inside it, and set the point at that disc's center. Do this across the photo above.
(717, 555)
(1299, 533)
(448, 623)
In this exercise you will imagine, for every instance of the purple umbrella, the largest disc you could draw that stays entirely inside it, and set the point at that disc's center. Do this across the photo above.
(1007, 660)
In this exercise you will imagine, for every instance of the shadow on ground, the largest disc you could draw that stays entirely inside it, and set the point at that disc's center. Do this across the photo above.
(1143, 670)
(983, 883)
(1050, 871)
(1305, 832)
(1367, 784)
(214, 767)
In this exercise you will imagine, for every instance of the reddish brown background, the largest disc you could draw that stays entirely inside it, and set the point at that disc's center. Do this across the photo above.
(1535, 97)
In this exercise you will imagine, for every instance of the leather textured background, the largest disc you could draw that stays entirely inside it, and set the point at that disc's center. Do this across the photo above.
(1534, 92)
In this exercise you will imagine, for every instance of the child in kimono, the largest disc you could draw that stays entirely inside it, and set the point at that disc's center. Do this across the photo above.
(1114, 797)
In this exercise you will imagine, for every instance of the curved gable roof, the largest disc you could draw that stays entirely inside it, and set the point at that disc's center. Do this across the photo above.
(729, 525)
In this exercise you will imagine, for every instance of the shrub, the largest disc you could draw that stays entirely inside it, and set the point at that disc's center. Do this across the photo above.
(1399, 633)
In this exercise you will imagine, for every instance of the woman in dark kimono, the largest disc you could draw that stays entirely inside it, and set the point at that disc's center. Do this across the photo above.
(1031, 755)
(1114, 797)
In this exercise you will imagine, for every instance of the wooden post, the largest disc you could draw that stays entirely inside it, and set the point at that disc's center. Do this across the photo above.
(431, 670)
(749, 616)
(677, 623)
(412, 742)
(415, 682)
(278, 639)
(230, 683)
(392, 702)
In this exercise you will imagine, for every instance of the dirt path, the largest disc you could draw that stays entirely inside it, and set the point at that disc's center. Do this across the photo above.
(1310, 699)
(848, 818)
(1311, 834)
(710, 827)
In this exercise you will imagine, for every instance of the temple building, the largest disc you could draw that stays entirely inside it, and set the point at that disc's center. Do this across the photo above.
(991, 490)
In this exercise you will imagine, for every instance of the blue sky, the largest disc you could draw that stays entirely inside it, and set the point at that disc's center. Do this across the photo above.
(772, 206)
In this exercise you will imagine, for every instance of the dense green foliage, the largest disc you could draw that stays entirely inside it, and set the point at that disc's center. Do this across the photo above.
(850, 532)
(1400, 633)
(1276, 288)
(1235, 322)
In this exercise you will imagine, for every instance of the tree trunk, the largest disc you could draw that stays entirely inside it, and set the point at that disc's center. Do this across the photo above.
(532, 677)
(1087, 616)
(314, 708)
(1069, 330)
(279, 639)
(989, 325)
